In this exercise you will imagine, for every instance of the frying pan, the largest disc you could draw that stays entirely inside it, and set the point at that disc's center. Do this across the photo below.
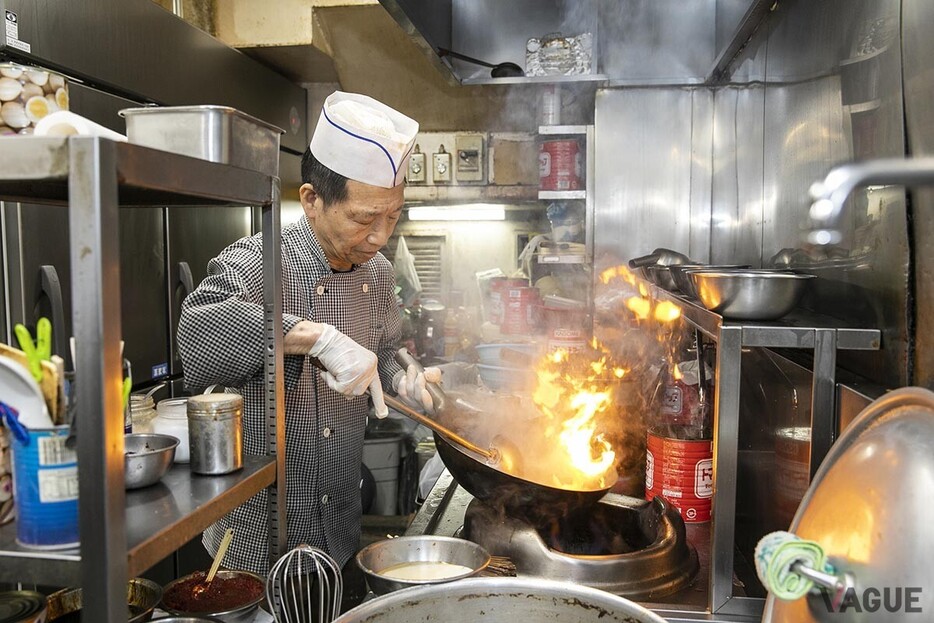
(501, 485)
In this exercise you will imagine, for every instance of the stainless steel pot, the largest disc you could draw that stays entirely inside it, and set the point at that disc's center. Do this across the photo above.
(500, 599)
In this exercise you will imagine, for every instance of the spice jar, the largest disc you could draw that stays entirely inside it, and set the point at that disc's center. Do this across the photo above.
(27, 94)
(142, 413)
(215, 433)
(172, 419)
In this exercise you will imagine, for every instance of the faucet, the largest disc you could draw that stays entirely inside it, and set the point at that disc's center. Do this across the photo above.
(831, 193)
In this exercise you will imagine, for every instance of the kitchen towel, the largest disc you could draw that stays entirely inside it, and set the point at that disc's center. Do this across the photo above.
(776, 553)
(66, 123)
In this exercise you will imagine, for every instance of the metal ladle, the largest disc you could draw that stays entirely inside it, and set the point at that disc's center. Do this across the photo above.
(502, 70)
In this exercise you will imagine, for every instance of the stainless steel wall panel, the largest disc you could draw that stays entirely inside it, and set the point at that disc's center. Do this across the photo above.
(820, 58)
(644, 164)
(702, 120)
(657, 41)
(737, 192)
(918, 56)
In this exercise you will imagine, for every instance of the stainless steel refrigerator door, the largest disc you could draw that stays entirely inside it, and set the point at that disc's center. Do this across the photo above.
(39, 272)
(195, 236)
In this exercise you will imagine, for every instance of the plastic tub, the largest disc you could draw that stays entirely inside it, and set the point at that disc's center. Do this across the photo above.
(504, 378)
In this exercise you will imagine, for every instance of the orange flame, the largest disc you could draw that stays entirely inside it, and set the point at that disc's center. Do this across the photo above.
(573, 403)
(666, 311)
(621, 272)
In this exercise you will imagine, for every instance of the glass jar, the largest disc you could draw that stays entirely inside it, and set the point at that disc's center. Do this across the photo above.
(28, 94)
(172, 419)
(142, 413)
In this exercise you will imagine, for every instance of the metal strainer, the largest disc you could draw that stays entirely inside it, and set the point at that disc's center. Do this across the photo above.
(305, 586)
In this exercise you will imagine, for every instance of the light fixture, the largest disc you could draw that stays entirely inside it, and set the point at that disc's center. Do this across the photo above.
(463, 212)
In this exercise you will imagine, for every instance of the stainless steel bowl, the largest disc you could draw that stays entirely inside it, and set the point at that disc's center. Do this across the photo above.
(382, 555)
(147, 457)
(240, 614)
(182, 619)
(749, 294)
(683, 283)
(501, 599)
(660, 276)
(141, 597)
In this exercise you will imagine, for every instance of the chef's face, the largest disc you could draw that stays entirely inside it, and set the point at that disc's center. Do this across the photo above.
(353, 230)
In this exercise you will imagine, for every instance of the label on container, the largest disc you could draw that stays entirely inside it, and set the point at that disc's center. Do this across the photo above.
(12, 33)
(703, 478)
(58, 485)
(52, 451)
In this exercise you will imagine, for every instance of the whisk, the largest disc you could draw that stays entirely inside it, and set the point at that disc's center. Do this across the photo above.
(305, 585)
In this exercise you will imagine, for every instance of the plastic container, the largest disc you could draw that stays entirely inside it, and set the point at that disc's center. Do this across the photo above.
(215, 433)
(46, 490)
(382, 454)
(172, 419)
(27, 94)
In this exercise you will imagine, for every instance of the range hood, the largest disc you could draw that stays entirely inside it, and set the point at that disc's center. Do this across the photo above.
(635, 42)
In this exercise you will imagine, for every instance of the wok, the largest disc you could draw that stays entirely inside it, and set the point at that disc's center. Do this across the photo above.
(502, 484)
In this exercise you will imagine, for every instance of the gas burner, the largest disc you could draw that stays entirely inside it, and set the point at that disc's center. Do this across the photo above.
(622, 545)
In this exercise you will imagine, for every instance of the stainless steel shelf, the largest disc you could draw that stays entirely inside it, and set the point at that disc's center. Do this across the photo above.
(563, 130)
(598, 79)
(159, 520)
(558, 258)
(796, 330)
(36, 169)
(480, 193)
(559, 195)
(799, 329)
(123, 533)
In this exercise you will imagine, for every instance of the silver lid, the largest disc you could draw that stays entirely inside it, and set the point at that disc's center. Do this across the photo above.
(869, 508)
(214, 405)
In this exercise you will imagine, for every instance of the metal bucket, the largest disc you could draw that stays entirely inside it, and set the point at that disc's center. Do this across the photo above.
(215, 433)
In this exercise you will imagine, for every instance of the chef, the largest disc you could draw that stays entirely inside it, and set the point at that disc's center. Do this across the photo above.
(338, 306)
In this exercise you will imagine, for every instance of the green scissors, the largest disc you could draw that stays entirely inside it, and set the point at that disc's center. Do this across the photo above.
(39, 351)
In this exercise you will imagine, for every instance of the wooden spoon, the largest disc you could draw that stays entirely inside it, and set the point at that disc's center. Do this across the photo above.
(225, 543)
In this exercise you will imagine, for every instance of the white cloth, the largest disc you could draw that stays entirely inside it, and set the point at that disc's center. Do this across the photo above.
(363, 139)
(65, 123)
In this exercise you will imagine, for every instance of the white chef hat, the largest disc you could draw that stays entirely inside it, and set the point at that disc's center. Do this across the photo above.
(363, 139)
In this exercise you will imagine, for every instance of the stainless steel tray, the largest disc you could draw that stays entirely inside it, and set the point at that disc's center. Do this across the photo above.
(216, 133)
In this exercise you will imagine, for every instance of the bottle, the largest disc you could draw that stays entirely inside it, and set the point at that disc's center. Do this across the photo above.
(451, 334)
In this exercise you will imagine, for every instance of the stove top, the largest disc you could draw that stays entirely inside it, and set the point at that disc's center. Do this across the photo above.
(622, 545)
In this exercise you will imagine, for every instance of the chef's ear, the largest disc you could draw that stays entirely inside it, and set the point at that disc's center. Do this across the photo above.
(310, 199)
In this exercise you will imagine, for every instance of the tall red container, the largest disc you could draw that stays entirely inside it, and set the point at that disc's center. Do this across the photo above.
(559, 165)
(681, 472)
(566, 328)
(518, 309)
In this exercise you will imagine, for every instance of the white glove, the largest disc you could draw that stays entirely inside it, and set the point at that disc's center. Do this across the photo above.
(351, 369)
(411, 385)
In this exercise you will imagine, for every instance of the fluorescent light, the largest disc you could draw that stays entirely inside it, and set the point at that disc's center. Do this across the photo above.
(464, 212)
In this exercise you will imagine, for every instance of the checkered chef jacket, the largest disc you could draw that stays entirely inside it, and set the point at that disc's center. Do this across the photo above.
(220, 339)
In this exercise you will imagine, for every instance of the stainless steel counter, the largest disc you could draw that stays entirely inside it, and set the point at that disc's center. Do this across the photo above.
(442, 514)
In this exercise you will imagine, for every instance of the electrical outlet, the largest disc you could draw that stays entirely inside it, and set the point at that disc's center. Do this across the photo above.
(441, 171)
(469, 165)
(416, 174)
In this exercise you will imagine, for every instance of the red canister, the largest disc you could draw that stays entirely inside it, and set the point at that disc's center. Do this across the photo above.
(518, 309)
(681, 471)
(559, 165)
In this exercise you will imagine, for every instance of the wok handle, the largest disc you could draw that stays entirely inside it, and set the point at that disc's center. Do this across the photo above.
(438, 397)
(491, 455)
(645, 260)
(445, 432)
